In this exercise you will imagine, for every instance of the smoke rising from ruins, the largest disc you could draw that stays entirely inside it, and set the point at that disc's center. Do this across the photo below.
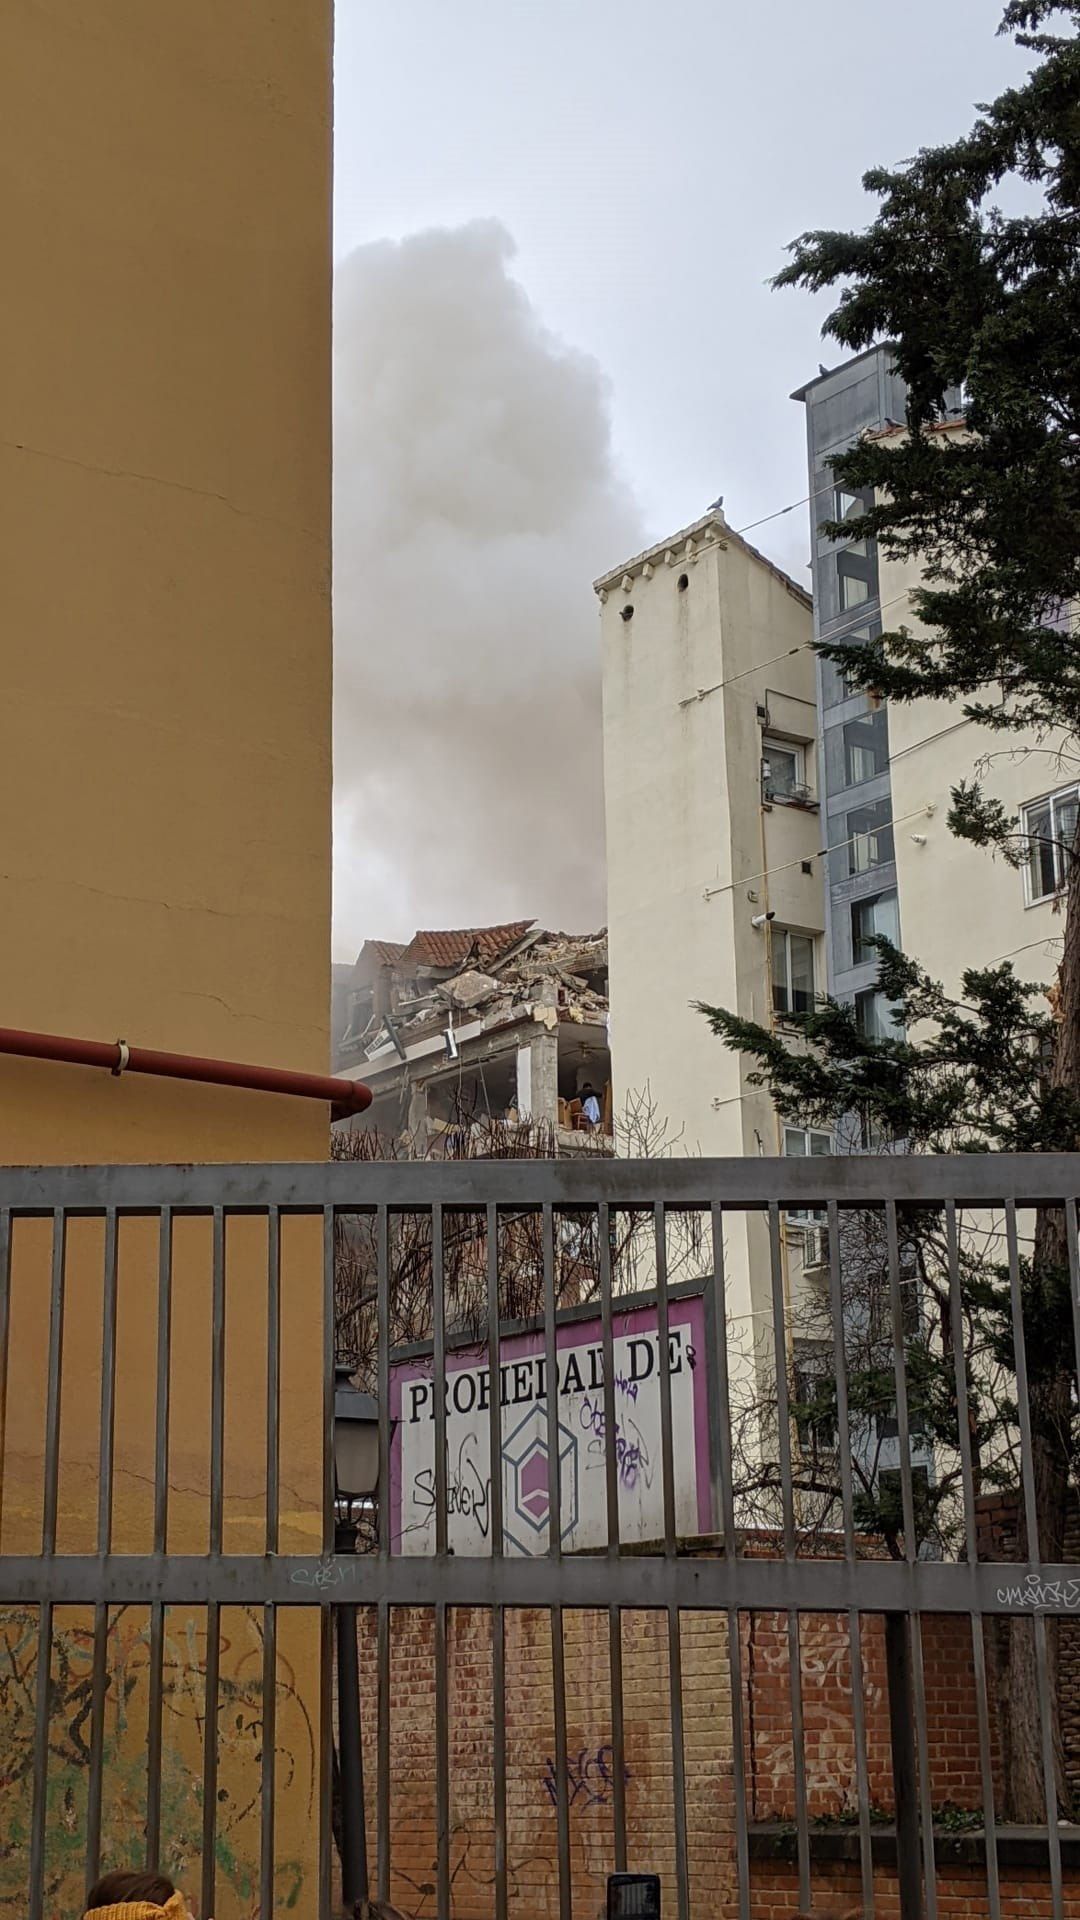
(476, 499)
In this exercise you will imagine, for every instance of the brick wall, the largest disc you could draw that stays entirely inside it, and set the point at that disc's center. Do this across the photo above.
(532, 1843)
(998, 1519)
(961, 1894)
(828, 1718)
(532, 1847)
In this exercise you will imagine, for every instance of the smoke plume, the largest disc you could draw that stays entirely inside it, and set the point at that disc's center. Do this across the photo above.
(475, 501)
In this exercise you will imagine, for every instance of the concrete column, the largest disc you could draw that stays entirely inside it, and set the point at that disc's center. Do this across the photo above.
(544, 1049)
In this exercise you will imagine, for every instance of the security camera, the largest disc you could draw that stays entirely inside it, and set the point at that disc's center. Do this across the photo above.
(450, 1044)
(759, 919)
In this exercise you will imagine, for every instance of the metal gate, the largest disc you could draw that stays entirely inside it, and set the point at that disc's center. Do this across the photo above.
(809, 1503)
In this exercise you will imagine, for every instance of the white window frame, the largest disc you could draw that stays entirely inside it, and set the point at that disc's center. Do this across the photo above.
(807, 1216)
(796, 749)
(787, 934)
(1051, 800)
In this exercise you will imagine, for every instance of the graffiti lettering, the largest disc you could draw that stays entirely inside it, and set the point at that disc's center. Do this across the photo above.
(1059, 1595)
(589, 1778)
(632, 1455)
(467, 1491)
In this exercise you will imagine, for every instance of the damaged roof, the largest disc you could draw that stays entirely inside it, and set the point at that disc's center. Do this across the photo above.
(450, 948)
(499, 976)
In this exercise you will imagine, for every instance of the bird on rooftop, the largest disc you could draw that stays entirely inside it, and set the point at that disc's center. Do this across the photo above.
(715, 505)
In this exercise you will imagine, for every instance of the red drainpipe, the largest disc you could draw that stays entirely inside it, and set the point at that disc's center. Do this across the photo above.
(345, 1096)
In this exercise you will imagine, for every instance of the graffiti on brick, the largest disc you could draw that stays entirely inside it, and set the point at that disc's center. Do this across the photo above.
(590, 1778)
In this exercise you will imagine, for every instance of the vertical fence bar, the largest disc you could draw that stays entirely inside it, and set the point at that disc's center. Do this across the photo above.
(847, 1504)
(52, 1411)
(915, 1698)
(904, 1769)
(667, 1455)
(724, 1503)
(667, 1450)
(498, 1617)
(903, 1424)
(161, 1528)
(1074, 1277)
(5, 1324)
(268, 1779)
(39, 1805)
(273, 1376)
(382, 1709)
(210, 1756)
(611, 1464)
(382, 1362)
(562, 1802)
(438, 1311)
(97, 1717)
(329, 1482)
(498, 1707)
(164, 1353)
(678, 1760)
(971, 1540)
(217, 1393)
(558, 1665)
(48, 1547)
(1027, 1457)
(442, 1764)
(783, 1415)
(326, 1761)
(1053, 1834)
(551, 1376)
(269, 1761)
(922, 1746)
(106, 1439)
(611, 1488)
(1033, 1545)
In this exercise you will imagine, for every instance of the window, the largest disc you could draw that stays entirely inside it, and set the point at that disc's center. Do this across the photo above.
(853, 575)
(802, 1143)
(876, 916)
(876, 1017)
(792, 972)
(869, 837)
(852, 502)
(866, 747)
(813, 1394)
(854, 591)
(891, 1499)
(1050, 827)
(837, 686)
(783, 770)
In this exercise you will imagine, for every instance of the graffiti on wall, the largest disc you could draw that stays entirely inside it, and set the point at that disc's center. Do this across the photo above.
(590, 1778)
(240, 1730)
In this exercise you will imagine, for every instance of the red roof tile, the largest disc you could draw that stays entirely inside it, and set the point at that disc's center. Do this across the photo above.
(449, 947)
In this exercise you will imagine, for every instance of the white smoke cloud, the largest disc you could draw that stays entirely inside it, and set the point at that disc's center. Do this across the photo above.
(475, 501)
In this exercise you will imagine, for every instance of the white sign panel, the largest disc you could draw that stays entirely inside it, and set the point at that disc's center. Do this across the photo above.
(526, 1481)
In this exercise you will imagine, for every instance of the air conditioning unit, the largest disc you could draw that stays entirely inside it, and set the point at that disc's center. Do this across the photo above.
(815, 1249)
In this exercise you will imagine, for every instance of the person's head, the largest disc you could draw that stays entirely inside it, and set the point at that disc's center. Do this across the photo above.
(135, 1896)
(587, 1089)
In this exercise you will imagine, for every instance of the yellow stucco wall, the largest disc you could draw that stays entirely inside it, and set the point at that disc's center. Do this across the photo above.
(165, 774)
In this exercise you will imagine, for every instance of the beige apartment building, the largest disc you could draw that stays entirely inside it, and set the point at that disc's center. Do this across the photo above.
(958, 907)
(715, 891)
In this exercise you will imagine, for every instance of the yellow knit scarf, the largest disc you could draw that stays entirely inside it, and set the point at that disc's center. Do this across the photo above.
(176, 1908)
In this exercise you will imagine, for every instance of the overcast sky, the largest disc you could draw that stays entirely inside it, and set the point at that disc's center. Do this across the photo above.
(650, 162)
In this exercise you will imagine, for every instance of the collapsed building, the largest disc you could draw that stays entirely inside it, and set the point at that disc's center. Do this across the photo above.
(477, 1028)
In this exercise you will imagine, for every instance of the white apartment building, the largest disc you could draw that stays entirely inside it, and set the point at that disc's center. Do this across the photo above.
(713, 826)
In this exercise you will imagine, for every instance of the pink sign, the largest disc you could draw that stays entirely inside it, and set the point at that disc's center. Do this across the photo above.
(527, 1483)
